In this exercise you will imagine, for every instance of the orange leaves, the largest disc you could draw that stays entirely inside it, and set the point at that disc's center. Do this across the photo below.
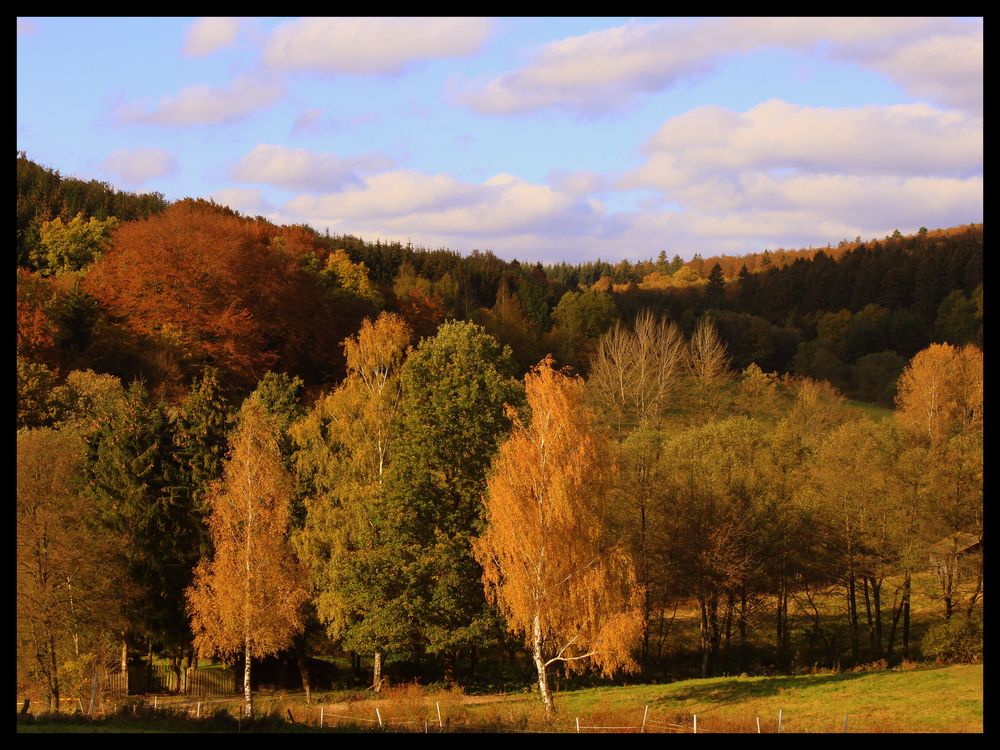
(941, 391)
(547, 553)
(233, 287)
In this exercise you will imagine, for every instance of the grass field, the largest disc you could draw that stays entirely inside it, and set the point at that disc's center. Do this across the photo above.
(907, 699)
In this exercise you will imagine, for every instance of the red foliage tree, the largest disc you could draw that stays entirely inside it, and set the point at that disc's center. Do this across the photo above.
(226, 290)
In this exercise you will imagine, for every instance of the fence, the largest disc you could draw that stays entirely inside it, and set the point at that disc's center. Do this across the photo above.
(144, 679)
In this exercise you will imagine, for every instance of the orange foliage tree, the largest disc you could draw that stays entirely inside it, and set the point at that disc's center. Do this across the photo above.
(549, 559)
(249, 597)
(227, 291)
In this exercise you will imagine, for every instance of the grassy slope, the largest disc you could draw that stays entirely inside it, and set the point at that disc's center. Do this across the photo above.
(923, 699)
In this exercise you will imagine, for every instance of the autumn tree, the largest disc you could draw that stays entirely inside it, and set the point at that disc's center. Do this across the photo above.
(549, 562)
(716, 495)
(224, 291)
(940, 393)
(248, 598)
(50, 548)
(344, 447)
(708, 364)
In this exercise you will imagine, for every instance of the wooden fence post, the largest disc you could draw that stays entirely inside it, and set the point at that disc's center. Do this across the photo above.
(440, 725)
(645, 713)
(845, 722)
(321, 716)
(696, 723)
(779, 721)
(758, 725)
(578, 725)
(379, 715)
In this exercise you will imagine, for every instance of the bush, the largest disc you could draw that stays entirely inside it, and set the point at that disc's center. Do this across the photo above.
(960, 640)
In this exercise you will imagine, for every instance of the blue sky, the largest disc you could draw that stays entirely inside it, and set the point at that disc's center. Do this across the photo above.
(537, 138)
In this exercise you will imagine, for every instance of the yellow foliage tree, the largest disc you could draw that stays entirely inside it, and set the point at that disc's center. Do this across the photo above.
(940, 393)
(249, 596)
(549, 559)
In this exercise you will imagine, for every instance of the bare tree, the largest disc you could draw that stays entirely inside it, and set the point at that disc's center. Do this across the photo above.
(633, 370)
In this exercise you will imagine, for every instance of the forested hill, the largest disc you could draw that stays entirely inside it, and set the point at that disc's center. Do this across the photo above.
(136, 287)
(43, 195)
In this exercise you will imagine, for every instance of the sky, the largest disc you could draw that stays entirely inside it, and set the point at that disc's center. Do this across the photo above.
(541, 139)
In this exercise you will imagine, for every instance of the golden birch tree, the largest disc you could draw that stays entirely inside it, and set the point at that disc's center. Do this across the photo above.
(940, 393)
(249, 597)
(549, 561)
(344, 447)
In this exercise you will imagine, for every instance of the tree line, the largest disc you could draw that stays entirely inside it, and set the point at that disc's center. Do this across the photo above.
(433, 504)
(671, 436)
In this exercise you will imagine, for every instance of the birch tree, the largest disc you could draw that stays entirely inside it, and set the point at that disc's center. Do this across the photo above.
(344, 448)
(548, 558)
(249, 597)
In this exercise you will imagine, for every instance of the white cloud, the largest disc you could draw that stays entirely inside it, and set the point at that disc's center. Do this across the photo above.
(139, 165)
(371, 45)
(439, 207)
(711, 141)
(742, 181)
(205, 105)
(301, 169)
(248, 201)
(209, 34)
(604, 70)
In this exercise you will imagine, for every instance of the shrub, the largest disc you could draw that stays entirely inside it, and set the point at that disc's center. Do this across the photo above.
(960, 640)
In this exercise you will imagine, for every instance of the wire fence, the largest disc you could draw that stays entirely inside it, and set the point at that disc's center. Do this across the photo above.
(321, 717)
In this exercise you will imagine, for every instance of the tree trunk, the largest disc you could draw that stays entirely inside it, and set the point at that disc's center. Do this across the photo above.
(852, 615)
(876, 586)
(646, 598)
(247, 695)
(450, 657)
(55, 669)
(302, 658)
(377, 672)
(124, 663)
(536, 652)
(175, 665)
(978, 590)
(906, 616)
(705, 638)
(743, 628)
(868, 615)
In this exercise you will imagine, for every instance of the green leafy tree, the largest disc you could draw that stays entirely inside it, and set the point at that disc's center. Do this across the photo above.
(344, 447)
(451, 421)
(72, 246)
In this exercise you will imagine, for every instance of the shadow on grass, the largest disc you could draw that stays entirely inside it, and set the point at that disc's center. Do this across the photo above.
(739, 690)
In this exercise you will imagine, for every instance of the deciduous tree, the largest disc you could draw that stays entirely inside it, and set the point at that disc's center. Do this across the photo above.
(248, 598)
(549, 562)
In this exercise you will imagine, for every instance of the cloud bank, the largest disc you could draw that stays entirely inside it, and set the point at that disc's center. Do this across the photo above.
(937, 59)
